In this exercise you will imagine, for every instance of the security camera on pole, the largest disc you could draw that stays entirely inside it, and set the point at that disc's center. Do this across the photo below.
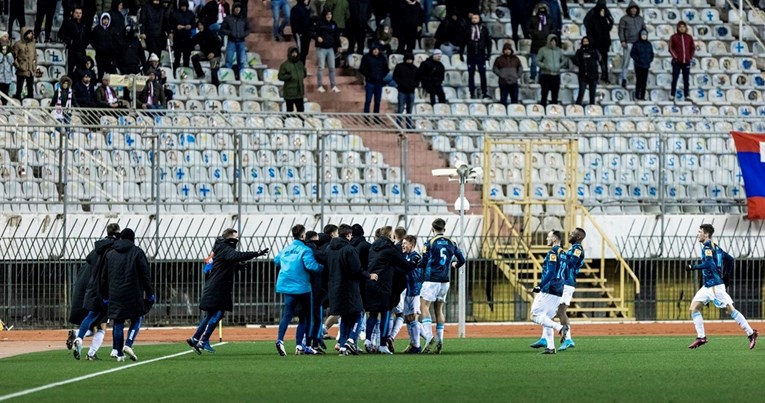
(463, 173)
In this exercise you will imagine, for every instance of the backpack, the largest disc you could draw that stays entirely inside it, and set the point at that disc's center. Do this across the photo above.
(208, 263)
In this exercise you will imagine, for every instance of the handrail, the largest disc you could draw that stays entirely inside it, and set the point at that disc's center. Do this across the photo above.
(524, 247)
(617, 255)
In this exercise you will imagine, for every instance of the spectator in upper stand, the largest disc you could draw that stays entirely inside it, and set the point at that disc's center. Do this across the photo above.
(405, 76)
(381, 9)
(76, 35)
(89, 13)
(88, 69)
(235, 26)
(181, 23)
(340, 13)
(25, 54)
(151, 64)
(382, 38)
(551, 62)
(292, 72)
(326, 34)
(209, 49)
(682, 49)
(356, 27)
(106, 97)
(279, 7)
(431, 74)
(410, 17)
(300, 21)
(587, 59)
(450, 35)
(104, 42)
(642, 55)
(16, 13)
(540, 29)
(153, 95)
(374, 68)
(45, 10)
(509, 69)
(598, 23)
(132, 58)
(118, 21)
(630, 26)
(478, 46)
(520, 13)
(154, 23)
(213, 13)
(6, 66)
(84, 92)
(63, 101)
(464, 7)
(554, 13)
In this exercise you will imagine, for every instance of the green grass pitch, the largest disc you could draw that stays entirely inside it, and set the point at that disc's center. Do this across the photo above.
(599, 369)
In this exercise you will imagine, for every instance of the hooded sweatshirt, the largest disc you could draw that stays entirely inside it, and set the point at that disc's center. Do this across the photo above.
(681, 46)
(539, 27)
(550, 59)
(405, 75)
(587, 59)
(629, 26)
(374, 68)
(642, 52)
(599, 28)
(104, 38)
(508, 67)
(295, 261)
(292, 72)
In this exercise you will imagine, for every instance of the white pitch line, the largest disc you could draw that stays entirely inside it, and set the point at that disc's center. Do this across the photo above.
(84, 377)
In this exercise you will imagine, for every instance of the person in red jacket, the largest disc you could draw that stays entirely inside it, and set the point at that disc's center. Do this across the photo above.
(682, 48)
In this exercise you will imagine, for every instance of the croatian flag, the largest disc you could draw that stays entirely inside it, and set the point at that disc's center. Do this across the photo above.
(750, 148)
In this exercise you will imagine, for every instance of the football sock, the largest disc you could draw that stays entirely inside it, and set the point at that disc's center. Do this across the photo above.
(414, 333)
(397, 325)
(427, 328)
(698, 322)
(440, 331)
(568, 334)
(741, 320)
(98, 339)
(547, 323)
(548, 331)
(135, 326)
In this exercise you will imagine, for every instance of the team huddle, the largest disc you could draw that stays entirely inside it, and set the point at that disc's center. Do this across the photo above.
(371, 289)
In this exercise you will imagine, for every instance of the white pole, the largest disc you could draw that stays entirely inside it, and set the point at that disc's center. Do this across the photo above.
(462, 285)
(741, 20)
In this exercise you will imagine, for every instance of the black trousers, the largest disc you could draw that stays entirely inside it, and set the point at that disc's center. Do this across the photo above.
(550, 85)
(437, 92)
(16, 13)
(296, 104)
(356, 37)
(105, 64)
(641, 78)
(4, 88)
(45, 10)
(303, 42)
(604, 62)
(75, 60)
(677, 68)
(155, 44)
(181, 49)
(30, 81)
(591, 86)
(196, 61)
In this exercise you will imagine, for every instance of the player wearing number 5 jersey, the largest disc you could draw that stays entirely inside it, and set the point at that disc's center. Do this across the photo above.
(438, 257)
(713, 258)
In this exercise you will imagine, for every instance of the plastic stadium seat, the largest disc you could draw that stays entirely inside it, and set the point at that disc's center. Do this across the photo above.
(516, 110)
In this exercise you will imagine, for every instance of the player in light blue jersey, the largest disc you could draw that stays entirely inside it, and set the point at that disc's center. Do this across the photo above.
(550, 290)
(573, 260)
(713, 258)
(438, 257)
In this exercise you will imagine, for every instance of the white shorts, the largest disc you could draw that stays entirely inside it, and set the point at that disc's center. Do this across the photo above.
(716, 295)
(411, 305)
(545, 304)
(568, 292)
(433, 292)
(399, 309)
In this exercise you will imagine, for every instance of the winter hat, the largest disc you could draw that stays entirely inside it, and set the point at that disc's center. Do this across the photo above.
(26, 31)
(106, 77)
(153, 57)
(128, 234)
(358, 230)
(437, 52)
(409, 56)
(507, 45)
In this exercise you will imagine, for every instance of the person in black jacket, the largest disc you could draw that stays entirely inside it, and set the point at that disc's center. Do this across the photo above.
(318, 292)
(76, 35)
(209, 49)
(87, 308)
(118, 21)
(327, 35)
(181, 23)
(345, 275)
(84, 92)
(408, 27)
(236, 28)
(374, 68)
(219, 284)
(450, 35)
(127, 290)
(105, 44)
(478, 46)
(356, 26)
(587, 59)
(300, 21)
(213, 13)
(153, 22)
(405, 76)
(45, 11)
(132, 58)
(384, 259)
(431, 74)
(598, 23)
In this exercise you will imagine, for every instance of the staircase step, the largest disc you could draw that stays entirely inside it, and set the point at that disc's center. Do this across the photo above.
(578, 280)
(594, 289)
(599, 309)
(586, 300)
